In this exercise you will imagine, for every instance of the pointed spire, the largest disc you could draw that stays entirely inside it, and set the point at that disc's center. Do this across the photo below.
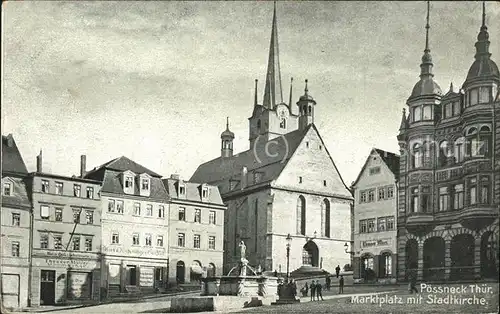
(255, 97)
(290, 99)
(451, 87)
(483, 44)
(227, 123)
(402, 126)
(426, 65)
(306, 89)
(273, 94)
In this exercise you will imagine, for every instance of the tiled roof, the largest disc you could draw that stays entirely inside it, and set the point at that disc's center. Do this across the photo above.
(391, 160)
(123, 164)
(12, 161)
(112, 183)
(193, 191)
(269, 164)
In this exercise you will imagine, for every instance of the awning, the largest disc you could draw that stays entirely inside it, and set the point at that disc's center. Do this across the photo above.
(196, 269)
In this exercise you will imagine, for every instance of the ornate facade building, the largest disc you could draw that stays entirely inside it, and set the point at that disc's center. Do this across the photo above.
(285, 188)
(449, 182)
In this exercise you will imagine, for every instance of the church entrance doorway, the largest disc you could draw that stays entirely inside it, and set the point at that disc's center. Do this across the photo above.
(310, 254)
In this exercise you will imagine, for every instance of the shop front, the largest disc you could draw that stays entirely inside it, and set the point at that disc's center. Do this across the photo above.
(61, 277)
(125, 273)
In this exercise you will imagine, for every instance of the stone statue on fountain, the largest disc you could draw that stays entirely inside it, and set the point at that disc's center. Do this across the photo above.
(243, 260)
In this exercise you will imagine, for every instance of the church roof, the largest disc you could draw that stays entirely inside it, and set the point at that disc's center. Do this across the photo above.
(270, 164)
(12, 161)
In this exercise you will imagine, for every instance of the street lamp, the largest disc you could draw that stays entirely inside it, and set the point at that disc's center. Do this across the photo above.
(288, 244)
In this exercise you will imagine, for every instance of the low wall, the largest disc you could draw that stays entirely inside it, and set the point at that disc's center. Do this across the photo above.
(240, 286)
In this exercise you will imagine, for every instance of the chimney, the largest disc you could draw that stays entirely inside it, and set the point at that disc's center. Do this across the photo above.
(175, 176)
(83, 165)
(39, 162)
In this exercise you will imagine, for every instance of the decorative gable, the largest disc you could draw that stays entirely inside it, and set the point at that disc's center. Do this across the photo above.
(128, 181)
(145, 184)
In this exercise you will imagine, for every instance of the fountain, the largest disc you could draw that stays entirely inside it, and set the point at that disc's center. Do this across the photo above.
(243, 286)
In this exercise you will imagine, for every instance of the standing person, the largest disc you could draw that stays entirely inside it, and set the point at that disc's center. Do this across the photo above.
(294, 288)
(328, 282)
(318, 291)
(313, 290)
(341, 284)
(305, 290)
(337, 270)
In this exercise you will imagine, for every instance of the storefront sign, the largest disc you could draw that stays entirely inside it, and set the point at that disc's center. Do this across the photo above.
(73, 263)
(147, 276)
(374, 243)
(134, 251)
(64, 254)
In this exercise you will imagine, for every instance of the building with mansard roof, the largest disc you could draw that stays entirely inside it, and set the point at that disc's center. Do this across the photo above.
(449, 176)
(286, 185)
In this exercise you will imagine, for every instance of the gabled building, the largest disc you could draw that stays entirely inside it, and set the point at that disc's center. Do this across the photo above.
(134, 227)
(375, 212)
(66, 233)
(449, 174)
(15, 227)
(285, 185)
(196, 226)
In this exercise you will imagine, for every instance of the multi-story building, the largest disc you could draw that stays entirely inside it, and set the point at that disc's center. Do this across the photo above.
(449, 191)
(15, 222)
(284, 187)
(196, 225)
(66, 233)
(375, 211)
(134, 227)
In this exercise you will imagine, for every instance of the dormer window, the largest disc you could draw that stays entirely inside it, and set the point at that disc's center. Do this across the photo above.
(182, 189)
(204, 192)
(129, 182)
(145, 184)
(7, 189)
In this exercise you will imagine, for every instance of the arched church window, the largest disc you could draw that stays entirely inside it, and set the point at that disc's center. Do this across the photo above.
(325, 215)
(301, 215)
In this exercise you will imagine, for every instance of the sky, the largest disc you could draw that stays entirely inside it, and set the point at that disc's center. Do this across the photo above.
(155, 81)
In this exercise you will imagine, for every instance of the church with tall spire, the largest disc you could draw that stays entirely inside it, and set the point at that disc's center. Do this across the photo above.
(285, 189)
(449, 176)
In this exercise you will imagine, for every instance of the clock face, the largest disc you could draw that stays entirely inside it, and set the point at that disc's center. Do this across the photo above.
(282, 111)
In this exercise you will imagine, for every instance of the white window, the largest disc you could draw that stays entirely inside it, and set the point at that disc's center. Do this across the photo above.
(58, 242)
(181, 240)
(145, 184)
(211, 242)
(44, 212)
(197, 215)
(76, 215)
(211, 217)
(182, 214)
(7, 189)
(390, 223)
(161, 211)
(371, 225)
(89, 217)
(417, 114)
(473, 97)
(129, 182)
(137, 209)
(448, 110)
(363, 198)
(45, 186)
(135, 239)
(149, 210)
(205, 192)
(44, 241)
(119, 207)
(444, 199)
(16, 219)
(15, 248)
(484, 95)
(300, 179)
(182, 189)
(149, 240)
(88, 244)
(428, 112)
(196, 241)
(115, 238)
(90, 192)
(159, 240)
(381, 194)
(458, 197)
(111, 206)
(390, 192)
(371, 195)
(456, 108)
(363, 226)
(472, 186)
(76, 243)
(382, 224)
(59, 188)
(77, 190)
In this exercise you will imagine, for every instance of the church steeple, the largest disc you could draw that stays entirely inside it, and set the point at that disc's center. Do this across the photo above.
(483, 44)
(273, 94)
(227, 138)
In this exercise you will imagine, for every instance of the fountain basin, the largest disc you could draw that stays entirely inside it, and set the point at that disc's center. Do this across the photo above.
(221, 303)
(240, 286)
